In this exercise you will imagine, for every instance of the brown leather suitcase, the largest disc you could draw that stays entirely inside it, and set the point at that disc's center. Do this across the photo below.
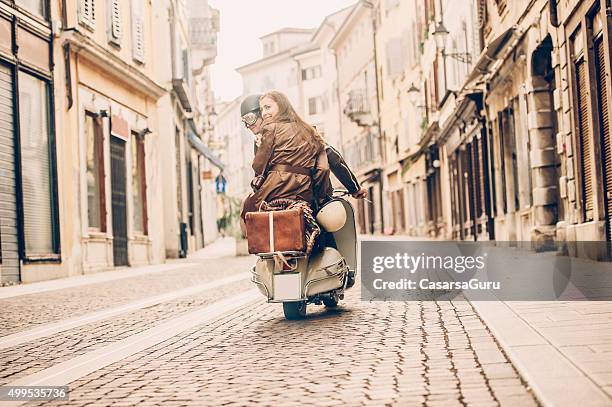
(276, 231)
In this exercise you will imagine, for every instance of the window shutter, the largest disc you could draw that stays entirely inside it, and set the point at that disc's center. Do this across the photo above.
(99, 140)
(87, 13)
(470, 182)
(394, 57)
(606, 139)
(115, 30)
(36, 181)
(138, 43)
(477, 177)
(584, 140)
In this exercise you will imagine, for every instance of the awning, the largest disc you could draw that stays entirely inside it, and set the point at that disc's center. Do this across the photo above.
(415, 150)
(462, 112)
(205, 151)
(182, 92)
(489, 54)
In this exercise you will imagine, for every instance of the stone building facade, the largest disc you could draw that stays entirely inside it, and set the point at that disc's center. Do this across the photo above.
(516, 144)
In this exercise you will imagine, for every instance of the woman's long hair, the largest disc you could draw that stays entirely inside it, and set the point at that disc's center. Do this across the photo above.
(287, 114)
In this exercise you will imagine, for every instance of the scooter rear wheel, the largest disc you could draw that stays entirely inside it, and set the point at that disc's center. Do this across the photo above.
(294, 310)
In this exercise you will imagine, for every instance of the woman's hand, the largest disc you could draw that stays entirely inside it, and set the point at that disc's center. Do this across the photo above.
(258, 140)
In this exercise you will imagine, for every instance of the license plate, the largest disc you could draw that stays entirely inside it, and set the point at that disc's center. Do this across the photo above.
(287, 286)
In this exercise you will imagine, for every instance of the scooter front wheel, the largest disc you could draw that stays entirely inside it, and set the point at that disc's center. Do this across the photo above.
(294, 310)
(331, 302)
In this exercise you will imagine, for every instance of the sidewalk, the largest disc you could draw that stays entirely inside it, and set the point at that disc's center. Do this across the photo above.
(224, 247)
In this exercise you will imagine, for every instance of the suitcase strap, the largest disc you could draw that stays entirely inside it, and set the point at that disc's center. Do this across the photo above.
(271, 225)
(290, 168)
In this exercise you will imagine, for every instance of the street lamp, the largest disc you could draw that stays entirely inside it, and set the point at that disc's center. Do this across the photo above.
(440, 35)
(413, 93)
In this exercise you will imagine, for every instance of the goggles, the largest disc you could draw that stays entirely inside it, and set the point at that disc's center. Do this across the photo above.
(250, 118)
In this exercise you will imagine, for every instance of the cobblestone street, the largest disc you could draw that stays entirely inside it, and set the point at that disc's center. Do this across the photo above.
(224, 345)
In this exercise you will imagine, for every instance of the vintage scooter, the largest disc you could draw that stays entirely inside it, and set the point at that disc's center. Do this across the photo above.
(318, 279)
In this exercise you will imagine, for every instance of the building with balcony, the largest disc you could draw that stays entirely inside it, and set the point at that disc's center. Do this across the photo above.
(353, 47)
(522, 106)
(318, 79)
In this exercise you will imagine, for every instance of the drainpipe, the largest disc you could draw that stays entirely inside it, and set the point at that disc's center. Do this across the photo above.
(383, 154)
(172, 39)
(337, 90)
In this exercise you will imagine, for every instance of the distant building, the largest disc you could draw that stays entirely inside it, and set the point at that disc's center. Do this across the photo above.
(277, 70)
(189, 38)
(318, 79)
(236, 149)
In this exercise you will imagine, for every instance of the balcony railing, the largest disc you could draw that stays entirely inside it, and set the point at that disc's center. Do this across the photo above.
(357, 107)
(202, 33)
(364, 153)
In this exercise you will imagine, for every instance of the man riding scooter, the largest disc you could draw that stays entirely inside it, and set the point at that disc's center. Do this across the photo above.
(252, 119)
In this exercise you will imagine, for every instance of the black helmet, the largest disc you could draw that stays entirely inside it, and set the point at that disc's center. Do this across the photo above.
(249, 109)
(250, 104)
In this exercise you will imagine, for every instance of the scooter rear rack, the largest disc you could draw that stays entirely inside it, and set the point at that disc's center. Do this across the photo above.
(292, 254)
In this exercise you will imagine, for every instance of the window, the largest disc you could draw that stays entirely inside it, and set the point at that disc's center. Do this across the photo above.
(94, 139)
(312, 72)
(38, 196)
(114, 22)
(583, 128)
(185, 61)
(139, 195)
(138, 34)
(395, 62)
(312, 106)
(390, 4)
(430, 10)
(35, 6)
(87, 13)
(604, 116)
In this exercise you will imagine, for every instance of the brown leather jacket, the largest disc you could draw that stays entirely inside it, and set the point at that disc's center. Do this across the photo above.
(284, 162)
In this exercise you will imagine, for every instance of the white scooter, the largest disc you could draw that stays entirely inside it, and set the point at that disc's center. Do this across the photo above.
(319, 279)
